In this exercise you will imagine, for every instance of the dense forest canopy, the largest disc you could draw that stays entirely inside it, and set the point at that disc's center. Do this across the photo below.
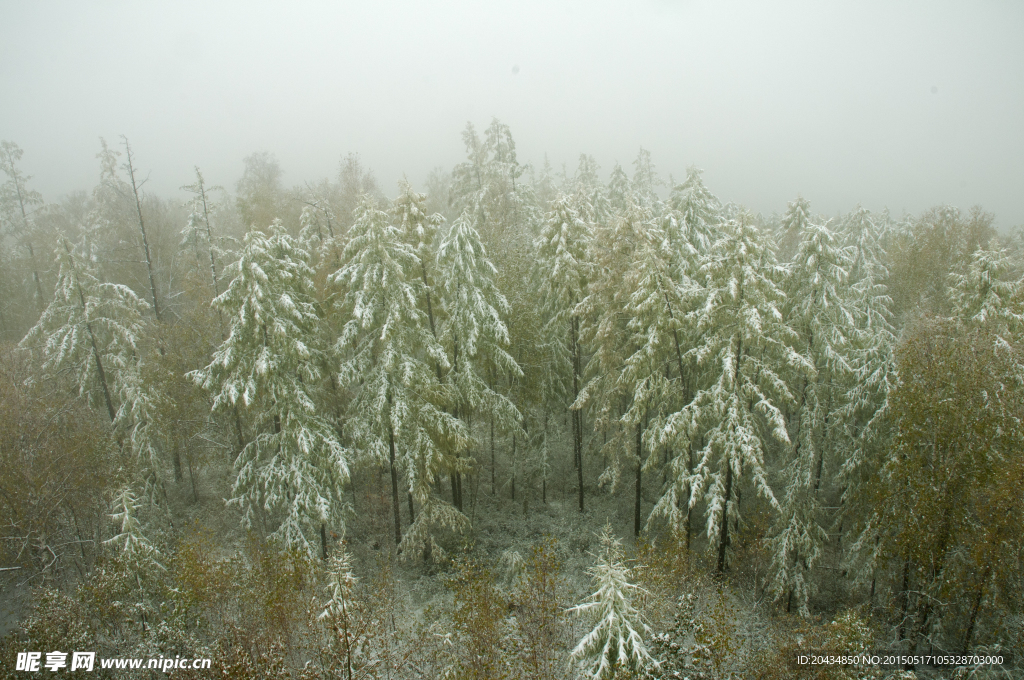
(324, 430)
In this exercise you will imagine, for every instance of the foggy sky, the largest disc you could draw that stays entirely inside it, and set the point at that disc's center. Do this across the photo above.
(905, 105)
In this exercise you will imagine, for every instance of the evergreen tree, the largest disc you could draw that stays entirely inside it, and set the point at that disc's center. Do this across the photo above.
(821, 310)
(473, 330)
(791, 229)
(16, 204)
(696, 213)
(985, 292)
(629, 312)
(273, 364)
(396, 415)
(91, 331)
(198, 232)
(745, 354)
(562, 271)
(616, 642)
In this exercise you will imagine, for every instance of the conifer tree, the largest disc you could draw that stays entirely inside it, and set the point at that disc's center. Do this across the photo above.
(615, 643)
(631, 261)
(90, 330)
(273, 364)
(745, 353)
(473, 330)
(794, 224)
(985, 292)
(562, 270)
(396, 415)
(198, 232)
(16, 202)
(821, 310)
(695, 212)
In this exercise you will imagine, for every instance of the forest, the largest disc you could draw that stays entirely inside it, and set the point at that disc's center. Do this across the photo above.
(521, 422)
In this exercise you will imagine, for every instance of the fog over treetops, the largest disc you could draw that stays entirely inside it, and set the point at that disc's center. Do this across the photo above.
(904, 107)
(512, 341)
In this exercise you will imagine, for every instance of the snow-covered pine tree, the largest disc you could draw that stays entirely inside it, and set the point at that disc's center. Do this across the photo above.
(986, 292)
(619, 188)
(490, 187)
(138, 558)
(139, 554)
(561, 272)
(616, 642)
(874, 377)
(473, 330)
(690, 223)
(198, 231)
(273, 364)
(396, 414)
(790, 230)
(605, 328)
(696, 212)
(645, 181)
(419, 230)
(92, 331)
(338, 609)
(820, 308)
(656, 372)
(745, 353)
(16, 204)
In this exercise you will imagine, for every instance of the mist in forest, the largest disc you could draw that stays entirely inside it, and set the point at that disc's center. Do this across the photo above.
(866, 103)
(570, 342)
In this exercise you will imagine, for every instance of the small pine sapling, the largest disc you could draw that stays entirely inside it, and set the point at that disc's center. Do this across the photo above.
(616, 640)
(337, 610)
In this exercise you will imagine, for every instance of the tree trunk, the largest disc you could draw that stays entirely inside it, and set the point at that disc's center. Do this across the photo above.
(176, 460)
(142, 228)
(192, 478)
(689, 509)
(28, 242)
(92, 337)
(639, 471)
(904, 599)
(577, 420)
(723, 536)
(513, 467)
(394, 488)
(323, 540)
(974, 611)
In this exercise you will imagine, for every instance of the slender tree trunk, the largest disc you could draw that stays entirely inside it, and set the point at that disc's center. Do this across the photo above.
(639, 480)
(28, 242)
(323, 540)
(176, 461)
(92, 338)
(689, 509)
(974, 611)
(723, 538)
(394, 487)
(574, 346)
(493, 484)
(209, 247)
(35, 272)
(723, 535)
(238, 428)
(192, 479)
(904, 599)
(513, 467)
(142, 228)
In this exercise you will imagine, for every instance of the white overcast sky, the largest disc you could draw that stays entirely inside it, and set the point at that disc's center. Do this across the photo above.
(898, 104)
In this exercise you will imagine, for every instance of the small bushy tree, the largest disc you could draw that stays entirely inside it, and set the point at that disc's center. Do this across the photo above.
(616, 641)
